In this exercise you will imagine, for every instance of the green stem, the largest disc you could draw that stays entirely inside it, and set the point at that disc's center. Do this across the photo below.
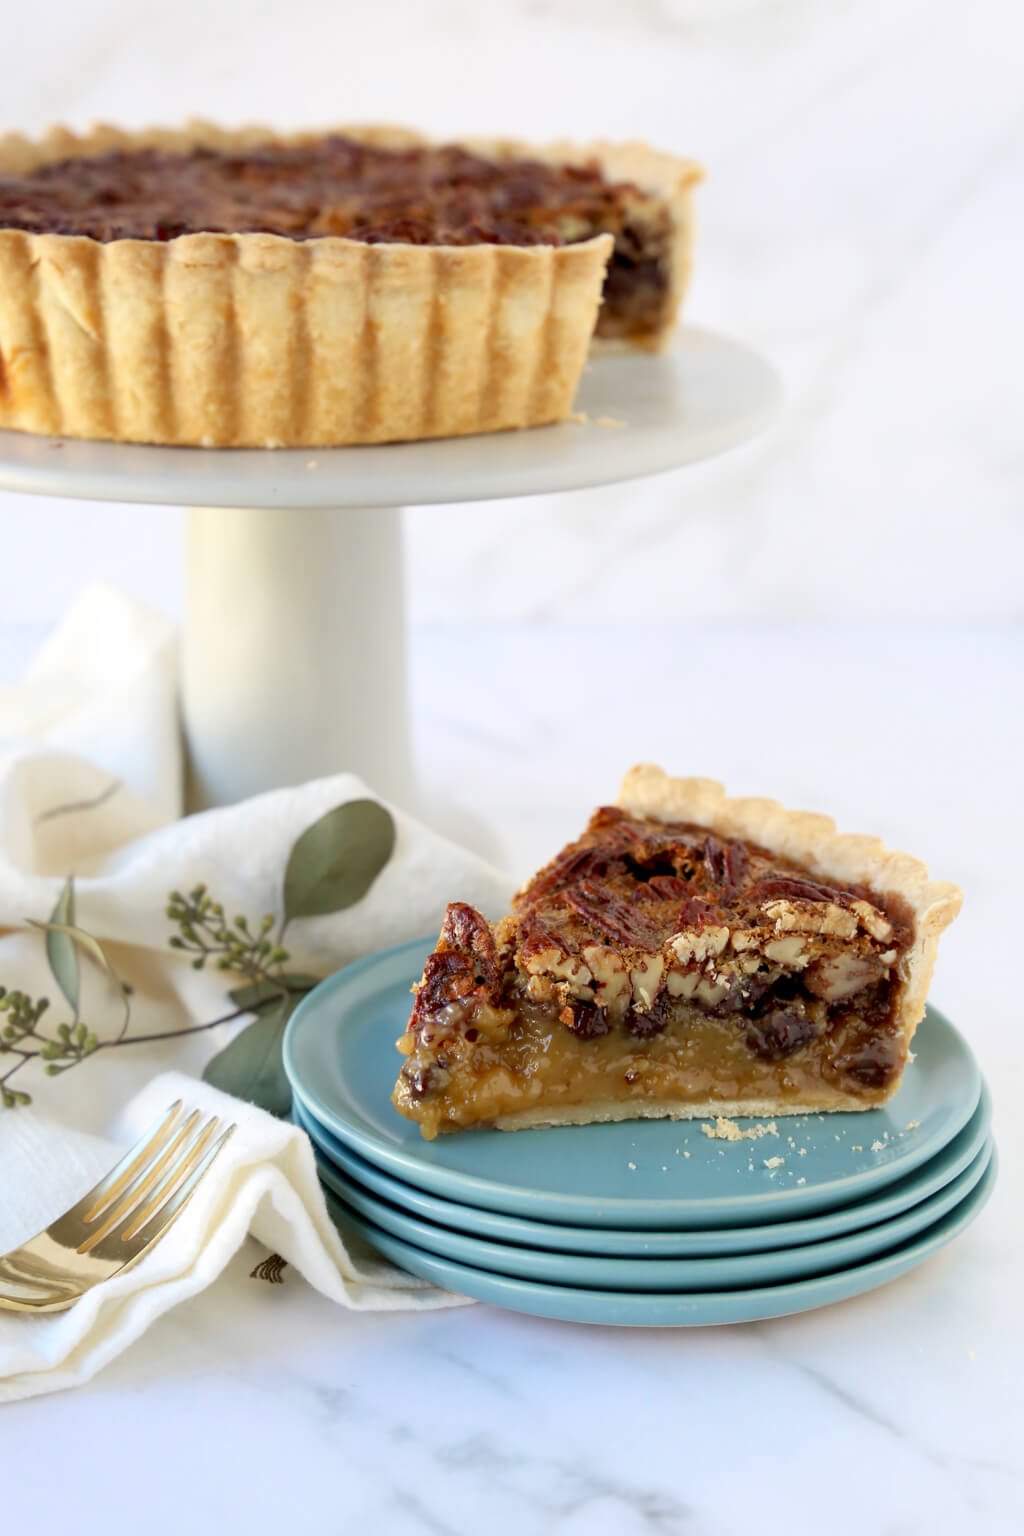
(25, 1056)
(119, 1037)
(170, 1034)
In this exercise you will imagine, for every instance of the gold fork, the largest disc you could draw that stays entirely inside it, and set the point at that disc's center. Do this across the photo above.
(116, 1222)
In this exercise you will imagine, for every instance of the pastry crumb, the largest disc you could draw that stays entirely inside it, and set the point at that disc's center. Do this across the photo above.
(631, 1166)
(878, 1146)
(912, 1125)
(774, 1162)
(801, 1181)
(609, 421)
(727, 1130)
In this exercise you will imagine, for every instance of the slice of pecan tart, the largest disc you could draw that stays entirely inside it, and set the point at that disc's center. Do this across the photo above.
(360, 286)
(689, 955)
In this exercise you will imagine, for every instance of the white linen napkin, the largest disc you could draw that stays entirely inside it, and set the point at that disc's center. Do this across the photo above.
(90, 763)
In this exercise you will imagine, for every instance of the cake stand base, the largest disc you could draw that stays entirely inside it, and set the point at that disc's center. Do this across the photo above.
(294, 650)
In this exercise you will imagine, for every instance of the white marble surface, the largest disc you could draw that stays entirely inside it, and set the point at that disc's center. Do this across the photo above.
(899, 1412)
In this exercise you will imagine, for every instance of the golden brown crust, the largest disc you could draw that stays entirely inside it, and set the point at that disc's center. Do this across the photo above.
(715, 1109)
(812, 839)
(257, 340)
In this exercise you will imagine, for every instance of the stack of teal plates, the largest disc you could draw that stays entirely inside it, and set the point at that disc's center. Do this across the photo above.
(649, 1223)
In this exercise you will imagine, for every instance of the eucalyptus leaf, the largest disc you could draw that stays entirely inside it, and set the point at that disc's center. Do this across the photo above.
(254, 995)
(61, 952)
(93, 947)
(251, 1067)
(336, 860)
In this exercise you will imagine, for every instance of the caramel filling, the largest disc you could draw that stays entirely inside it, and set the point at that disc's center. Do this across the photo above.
(533, 1062)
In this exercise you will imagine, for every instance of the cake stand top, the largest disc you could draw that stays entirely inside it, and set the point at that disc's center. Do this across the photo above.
(644, 415)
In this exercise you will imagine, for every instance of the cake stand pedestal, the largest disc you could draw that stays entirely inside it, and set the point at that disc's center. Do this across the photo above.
(293, 661)
(294, 637)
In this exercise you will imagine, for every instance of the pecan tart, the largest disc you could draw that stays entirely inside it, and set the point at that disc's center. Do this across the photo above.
(688, 955)
(360, 286)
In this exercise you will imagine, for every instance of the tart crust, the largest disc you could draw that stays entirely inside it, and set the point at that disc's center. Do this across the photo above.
(259, 340)
(636, 1109)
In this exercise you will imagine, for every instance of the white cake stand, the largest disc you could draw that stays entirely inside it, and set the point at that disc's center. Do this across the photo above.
(294, 663)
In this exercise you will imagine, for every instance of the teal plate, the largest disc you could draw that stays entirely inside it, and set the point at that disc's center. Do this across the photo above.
(339, 1053)
(610, 1242)
(638, 1309)
(645, 1274)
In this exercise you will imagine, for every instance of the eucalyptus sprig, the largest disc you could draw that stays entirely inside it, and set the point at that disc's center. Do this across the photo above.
(232, 946)
(330, 867)
(22, 1036)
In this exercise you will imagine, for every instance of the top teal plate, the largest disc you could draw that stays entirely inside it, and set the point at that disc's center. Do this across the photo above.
(339, 1053)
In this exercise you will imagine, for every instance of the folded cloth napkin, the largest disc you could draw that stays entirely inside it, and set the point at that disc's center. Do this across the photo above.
(89, 789)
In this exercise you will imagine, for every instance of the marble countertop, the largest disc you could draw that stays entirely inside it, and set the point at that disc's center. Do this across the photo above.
(262, 1408)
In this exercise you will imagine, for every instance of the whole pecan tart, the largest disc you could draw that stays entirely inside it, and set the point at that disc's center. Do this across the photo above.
(242, 288)
(688, 955)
